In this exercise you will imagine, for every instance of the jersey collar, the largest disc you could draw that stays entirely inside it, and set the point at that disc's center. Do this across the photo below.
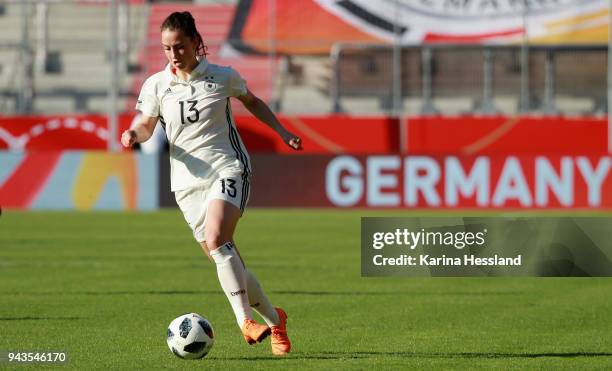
(197, 72)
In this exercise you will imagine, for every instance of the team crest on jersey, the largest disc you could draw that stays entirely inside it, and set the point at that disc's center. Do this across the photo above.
(210, 86)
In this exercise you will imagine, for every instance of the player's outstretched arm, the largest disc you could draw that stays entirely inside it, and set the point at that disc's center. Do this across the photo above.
(261, 110)
(140, 132)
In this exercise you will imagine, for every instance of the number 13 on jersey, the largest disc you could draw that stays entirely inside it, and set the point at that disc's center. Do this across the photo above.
(194, 117)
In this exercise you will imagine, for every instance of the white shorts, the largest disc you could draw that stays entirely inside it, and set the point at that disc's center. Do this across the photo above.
(193, 202)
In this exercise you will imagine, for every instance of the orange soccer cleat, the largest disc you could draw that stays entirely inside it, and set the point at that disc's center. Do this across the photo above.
(254, 332)
(281, 344)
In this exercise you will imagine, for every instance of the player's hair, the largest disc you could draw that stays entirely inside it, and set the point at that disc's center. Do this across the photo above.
(184, 21)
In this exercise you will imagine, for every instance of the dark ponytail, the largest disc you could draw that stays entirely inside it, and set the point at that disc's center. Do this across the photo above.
(184, 21)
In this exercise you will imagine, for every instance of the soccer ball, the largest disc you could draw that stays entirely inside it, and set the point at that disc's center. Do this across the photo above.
(190, 336)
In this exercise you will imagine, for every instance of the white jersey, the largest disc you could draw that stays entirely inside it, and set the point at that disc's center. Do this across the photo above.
(197, 117)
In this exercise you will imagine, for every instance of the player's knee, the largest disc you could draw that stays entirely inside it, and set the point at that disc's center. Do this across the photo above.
(214, 239)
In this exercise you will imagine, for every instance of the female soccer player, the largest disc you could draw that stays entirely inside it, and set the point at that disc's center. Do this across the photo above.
(210, 167)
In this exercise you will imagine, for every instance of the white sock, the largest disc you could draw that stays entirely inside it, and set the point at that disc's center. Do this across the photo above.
(259, 301)
(232, 277)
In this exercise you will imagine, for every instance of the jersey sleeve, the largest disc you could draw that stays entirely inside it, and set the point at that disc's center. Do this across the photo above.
(238, 85)
(148, 103)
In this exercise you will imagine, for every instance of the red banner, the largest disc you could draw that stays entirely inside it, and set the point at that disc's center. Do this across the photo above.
(438, 182)
(343, 134)
(468, 135)
(57, 132)
(325, 134)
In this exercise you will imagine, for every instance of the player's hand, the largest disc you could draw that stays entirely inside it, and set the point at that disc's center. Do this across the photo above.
(128, 138)
(292, 141)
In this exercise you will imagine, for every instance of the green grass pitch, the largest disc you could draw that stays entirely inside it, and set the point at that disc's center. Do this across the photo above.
(104, 286)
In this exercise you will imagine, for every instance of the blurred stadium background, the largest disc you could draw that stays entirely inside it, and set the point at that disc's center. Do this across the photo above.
(489, 81)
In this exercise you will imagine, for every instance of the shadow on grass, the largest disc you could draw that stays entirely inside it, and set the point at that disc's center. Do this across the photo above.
(38, 318)
(113, 293)
(378, 293)
(279, 292)
(362, 355)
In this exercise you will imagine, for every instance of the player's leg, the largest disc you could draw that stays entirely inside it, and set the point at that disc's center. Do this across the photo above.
(258, 300)
(276, 318)
(194, 204)
(221, 219)
(235, 190)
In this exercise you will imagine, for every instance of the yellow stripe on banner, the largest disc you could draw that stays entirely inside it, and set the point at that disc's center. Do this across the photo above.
(591, 35)
(577, 19)
(96, 169)
(491, 137)
(316, 137)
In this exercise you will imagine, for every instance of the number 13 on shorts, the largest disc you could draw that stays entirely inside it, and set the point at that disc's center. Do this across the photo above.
(228, 186)
(232, 189)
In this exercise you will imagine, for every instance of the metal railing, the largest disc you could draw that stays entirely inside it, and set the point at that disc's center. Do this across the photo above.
(524, 95)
